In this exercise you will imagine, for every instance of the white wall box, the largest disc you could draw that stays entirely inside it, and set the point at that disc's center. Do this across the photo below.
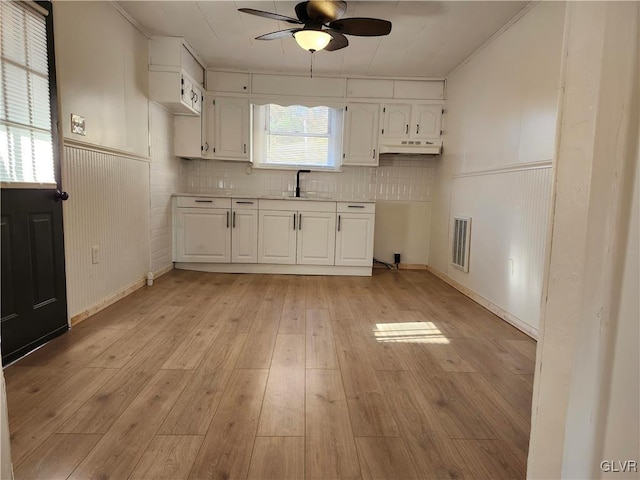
(273, 236)
(369, 88)
(228, 82)
(175, 75)
(361, 134)
(418, 89)
(354, 235)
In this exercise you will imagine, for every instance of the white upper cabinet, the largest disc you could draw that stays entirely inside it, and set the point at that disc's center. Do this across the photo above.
(411, 121)
(361, 134)
(175, 76)
(396, 119)
(231, 128)
(187, 136)
(426, 121)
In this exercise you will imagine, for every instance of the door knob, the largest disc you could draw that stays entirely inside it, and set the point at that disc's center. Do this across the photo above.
(60, 196)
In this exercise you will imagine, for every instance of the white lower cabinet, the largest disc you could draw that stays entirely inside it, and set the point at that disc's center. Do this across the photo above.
(354, 235)
(277, 237)
(244, 236)
(316, 238)
(203, 235)
(308, 236)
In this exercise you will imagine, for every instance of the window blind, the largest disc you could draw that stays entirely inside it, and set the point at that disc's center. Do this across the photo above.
(26, 143)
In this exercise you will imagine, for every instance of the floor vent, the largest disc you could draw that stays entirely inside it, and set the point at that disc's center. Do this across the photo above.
(460, 251)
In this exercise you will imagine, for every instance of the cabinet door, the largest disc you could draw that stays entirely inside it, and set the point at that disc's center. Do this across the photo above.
(208, 130)
(186, 92)
(277, 237)
(231, 128)
(396, 121)
(316, 238)
(187, 141)
(361, 139)
(196, 102)
(244, 236)
(426, 121)
(203, 235)
(354, 239)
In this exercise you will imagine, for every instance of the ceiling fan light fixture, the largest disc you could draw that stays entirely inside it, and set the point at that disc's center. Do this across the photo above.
(312, 40)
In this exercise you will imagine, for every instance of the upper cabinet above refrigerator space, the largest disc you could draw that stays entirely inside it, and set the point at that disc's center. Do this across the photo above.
(176, 76)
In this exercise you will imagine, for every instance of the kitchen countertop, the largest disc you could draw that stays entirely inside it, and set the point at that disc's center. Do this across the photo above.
(287, 196)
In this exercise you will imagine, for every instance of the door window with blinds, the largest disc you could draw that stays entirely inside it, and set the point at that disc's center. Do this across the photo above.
(297, 136)
(26, 144)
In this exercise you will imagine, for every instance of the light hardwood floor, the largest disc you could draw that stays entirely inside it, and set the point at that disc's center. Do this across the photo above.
(397, 376)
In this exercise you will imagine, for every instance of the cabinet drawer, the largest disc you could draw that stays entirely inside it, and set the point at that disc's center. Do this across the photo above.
(245, 204)
(297, 206)
(356, 207)
(204, 202)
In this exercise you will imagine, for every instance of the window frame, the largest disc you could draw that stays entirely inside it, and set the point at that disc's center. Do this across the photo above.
(45, 8)
(260, 134)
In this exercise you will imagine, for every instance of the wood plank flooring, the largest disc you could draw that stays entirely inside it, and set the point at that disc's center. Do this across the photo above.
(220, 376)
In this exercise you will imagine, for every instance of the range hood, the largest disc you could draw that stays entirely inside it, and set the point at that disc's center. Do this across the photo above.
(411, 147)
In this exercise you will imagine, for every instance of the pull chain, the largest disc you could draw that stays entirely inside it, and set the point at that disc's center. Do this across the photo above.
(311, 69)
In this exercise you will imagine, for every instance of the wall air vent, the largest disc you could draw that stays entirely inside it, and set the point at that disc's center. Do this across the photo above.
(461, 237)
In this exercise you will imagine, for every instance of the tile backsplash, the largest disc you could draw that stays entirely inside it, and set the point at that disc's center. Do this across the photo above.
(397, 178)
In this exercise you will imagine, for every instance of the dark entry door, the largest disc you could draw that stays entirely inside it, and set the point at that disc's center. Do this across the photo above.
(34, 304)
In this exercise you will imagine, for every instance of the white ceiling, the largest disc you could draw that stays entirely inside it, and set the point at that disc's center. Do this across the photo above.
(428, 39)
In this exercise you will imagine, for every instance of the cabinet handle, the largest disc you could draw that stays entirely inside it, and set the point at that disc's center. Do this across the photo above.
(417, 129)
(233, 225)
(355, 206)
(374, 153)
(206, 146)
(299, 221)
(227, 218)
(339, 219)
(204, 201)
(294, 221)
(240, 202)
(407, 132)
(244, 148)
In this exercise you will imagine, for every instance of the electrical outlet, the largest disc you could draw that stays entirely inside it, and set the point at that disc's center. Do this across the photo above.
(94, 254)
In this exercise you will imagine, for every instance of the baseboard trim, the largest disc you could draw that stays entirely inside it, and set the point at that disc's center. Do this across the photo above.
(412, 266)
(76, 319)
(275, 269)
(158, 273)
(503, 314)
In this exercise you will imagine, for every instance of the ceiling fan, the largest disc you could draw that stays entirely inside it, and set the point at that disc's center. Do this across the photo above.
(321, 27)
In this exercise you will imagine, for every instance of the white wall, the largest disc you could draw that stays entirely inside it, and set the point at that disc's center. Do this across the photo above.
(498, 144)
(165, 179)
(402, 187)
(582, 407)
(102, 75)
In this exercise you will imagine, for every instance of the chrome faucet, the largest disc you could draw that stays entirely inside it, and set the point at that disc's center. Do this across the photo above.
(298, 181)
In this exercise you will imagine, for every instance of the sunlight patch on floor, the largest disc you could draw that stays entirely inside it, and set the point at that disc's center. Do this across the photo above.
(409, 332)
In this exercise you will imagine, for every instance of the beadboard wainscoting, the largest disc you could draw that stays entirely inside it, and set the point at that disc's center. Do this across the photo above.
(165, 179)
(506, 262)
(108, 207)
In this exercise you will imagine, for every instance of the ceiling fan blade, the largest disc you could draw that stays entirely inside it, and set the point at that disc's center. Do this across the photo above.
(362, 27)
(337, 42)
(272, 16)
(279, 34)
(323, 11)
